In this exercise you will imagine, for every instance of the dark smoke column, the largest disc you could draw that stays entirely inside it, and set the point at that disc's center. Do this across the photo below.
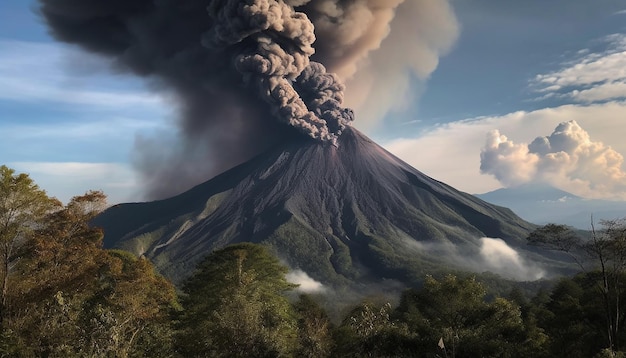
(235, 71)
(273, 43)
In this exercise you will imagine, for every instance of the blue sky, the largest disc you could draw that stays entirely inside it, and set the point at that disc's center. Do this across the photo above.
(505, 73)
(504, 44)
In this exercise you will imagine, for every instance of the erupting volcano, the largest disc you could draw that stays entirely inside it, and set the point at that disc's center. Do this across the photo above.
(349, 212)
(248, 75)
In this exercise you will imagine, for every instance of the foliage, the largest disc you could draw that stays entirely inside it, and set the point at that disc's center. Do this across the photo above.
(369, 331)
(573, 318)
(603, 253)
(22, 206)
(454, 312)
(314, 329)
(70, 298)
(129, 312)
(64, 296)
(555, 237)
(235, 306)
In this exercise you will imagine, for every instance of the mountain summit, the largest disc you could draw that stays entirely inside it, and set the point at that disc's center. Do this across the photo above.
(347, 212)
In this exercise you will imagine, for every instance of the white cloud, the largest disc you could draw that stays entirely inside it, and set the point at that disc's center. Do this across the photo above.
(593, 77)
(307, 284)
(510, 163)
(601, 92)
(566, 158)
(451, 152)
(64, 180)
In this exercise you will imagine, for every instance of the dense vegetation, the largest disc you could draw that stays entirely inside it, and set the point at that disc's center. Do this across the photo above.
(63, 295)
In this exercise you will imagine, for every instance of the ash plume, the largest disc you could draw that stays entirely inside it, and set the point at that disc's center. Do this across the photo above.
(237, 70)
(384, 50)
(273, 43)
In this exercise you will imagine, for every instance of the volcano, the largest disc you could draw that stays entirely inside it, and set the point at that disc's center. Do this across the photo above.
(339, 213)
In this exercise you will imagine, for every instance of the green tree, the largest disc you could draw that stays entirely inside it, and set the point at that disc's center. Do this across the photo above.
(568, 324)
(235, 306)
(314, 329)
(453, 313)
(22, 206)
(128, 315)
(573, 317)
(72, 298)
(603, 252)
(369, 331)
(55, 275)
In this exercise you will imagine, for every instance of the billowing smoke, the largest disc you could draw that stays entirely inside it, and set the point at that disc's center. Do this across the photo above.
(237, 70)
(382, 49)
(272, 44)
(567, 159)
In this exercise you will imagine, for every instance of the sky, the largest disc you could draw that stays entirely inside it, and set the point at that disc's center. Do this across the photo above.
(479, 94)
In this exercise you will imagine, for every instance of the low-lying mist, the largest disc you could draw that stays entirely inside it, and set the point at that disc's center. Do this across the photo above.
(490, 254)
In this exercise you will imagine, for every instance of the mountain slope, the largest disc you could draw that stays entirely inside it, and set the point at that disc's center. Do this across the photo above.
(352, 212)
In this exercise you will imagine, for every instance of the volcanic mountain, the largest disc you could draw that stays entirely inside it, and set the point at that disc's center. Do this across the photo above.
(340, 213)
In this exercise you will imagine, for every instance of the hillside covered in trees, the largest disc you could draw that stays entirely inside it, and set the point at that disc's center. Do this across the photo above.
(63, 295)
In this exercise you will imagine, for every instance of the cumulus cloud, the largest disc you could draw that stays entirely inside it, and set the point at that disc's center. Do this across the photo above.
(592, 77)
(450, 152)
(566, 158)
(305, 282)
(510, 163)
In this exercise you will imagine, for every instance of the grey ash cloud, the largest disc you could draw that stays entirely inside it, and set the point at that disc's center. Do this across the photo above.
(238, 71)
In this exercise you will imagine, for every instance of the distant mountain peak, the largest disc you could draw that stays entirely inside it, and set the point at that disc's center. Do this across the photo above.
(541, 204)
(529, 191)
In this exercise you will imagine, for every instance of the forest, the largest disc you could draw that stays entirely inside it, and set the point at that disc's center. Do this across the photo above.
(63, 295)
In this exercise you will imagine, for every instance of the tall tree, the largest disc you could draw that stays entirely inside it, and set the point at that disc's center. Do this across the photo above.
(604, 252)
(573, 318)
(65, 251)
(369, 331)
(128, 315)
(314, 329)
(235, 306)
(22, 206)
(73, 298)
(452, 318)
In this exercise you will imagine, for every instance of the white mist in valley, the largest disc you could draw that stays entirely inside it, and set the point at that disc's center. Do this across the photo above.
(489, 254)
(306, 283)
